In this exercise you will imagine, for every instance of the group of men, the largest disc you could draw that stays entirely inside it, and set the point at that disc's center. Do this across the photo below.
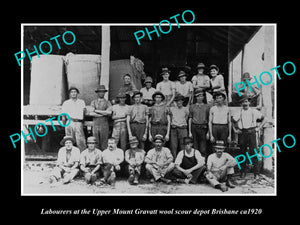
(173, 121)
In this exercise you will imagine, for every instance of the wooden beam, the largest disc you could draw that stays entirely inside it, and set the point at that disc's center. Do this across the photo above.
(105, 56)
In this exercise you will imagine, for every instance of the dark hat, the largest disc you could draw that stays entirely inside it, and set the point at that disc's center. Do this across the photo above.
(164, 70)
(213, 66)
(187, 140)
(133, 139)
(244, 97)
(101, 88)
(66, 138)
(246, 75)
(200, 65)
(158, 137)
(179, 97)
(148, 79)
(91, 139)
(158, 93)
(121, 95)
(137, 93)
(181, 73)
(218, 94)
(219, 144)
(73, 88)
(199, 91)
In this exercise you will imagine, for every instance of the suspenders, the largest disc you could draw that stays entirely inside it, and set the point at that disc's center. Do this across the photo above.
(242, 118)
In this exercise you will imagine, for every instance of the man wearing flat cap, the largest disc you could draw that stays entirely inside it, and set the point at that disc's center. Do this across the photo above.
(134, 157)
(159, 161)
(67, 162)
(138, 119)
(75, 108)
(100, 118)
(90, 161)
(184, 88)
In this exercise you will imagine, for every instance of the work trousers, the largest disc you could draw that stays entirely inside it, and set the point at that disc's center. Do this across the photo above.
(75, 130)
(176, 173)
(109, 173)
(158, 129)
(199, 136)
(248, 139)
(215, 177)
(101, 132)
(59, 173)
(138, 130)
(176, 139)
(90, 178)
(220, 132)
(157, 172)
(120, 133)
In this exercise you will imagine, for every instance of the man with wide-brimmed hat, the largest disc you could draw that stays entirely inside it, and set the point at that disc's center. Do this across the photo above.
(100, 117)
(217, 80)
(179, 127)
(219, 119)
(67, 161)
(198, 122)
(166, 86)
(189, 164)
(119, 116)
(159, 118)
(75, 108)
(148, 91)
(134, 157)
(245, 125)
(159, 161)
(184, 88)
(201, 80)
(90, 161)
(220, 167)
(138, 119)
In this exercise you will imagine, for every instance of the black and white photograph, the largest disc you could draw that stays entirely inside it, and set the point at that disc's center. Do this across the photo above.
(155, 109)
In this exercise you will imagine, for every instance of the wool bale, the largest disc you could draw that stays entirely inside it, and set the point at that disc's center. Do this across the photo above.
(83, 72)
(47, 83)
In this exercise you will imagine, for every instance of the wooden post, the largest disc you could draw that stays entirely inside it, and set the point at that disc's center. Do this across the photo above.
(105, 52)
(266, 95)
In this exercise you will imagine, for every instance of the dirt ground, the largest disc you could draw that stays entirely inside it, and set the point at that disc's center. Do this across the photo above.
(35, 181)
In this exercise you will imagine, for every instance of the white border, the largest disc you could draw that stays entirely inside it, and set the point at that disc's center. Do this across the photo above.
(147, 24)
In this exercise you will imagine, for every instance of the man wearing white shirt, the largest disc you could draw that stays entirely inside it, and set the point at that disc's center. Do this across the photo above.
(246, 127)
(75, 108)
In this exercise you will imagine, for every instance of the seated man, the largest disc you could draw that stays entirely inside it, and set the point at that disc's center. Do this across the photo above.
(90, 161)
(189, 163)
(220, 167)
(134, 157)
(112, 157)
(67, 162)
(159, 161)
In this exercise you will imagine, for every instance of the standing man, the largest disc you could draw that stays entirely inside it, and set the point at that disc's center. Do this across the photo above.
(201, 81)
(147, 92)
(246, 127)
(166, 86)
(119, 114)
(159, 118)
(90, 161)
(198, 122)
(220, 167)
(184, 88)
(159, 161)
(220, 120)
(100, 118)
(112, 157)
(179, 116)
(128, 88)
(137, 119)
(67, 161)
(189, 163)
(75, 108)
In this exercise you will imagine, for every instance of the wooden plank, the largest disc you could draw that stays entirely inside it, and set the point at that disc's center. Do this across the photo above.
(105, 52)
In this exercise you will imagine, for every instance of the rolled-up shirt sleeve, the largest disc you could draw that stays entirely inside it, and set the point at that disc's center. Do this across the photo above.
(179, 158)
